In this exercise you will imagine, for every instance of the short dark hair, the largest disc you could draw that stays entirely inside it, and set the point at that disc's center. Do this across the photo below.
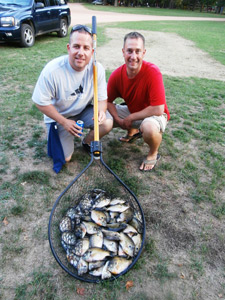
(80, 28)
(133, 35)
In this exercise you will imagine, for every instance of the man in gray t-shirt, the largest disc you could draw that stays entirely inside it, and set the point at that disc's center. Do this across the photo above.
(64, 91)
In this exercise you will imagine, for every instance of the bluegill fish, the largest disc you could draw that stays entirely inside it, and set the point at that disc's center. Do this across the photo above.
(117, 201)
(99, 217)
(82, 266)
(95, 264)
(73, 259)
(69, 238)
(72, 213)
(102, 202)
(111, 246)
(121, 253)
(111, 235)
(97, 272)
(96, 240)
(91, 227)
(65, 224)
(137, 242)
(130, 230)
(80, 231)
(127, 244)
(105, 272)
(118, 264)
(118, 208)
(136, 224)
(126, 216)
(81, 246)
(95, 254)
(86, 204)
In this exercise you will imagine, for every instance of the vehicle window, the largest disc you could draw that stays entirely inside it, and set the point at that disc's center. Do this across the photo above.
(53, 2)
(42, 1)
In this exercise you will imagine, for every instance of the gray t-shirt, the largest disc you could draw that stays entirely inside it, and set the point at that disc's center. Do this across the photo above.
(68, 90)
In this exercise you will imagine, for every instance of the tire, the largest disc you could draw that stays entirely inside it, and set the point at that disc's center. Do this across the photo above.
(27, 36)
(63, 31)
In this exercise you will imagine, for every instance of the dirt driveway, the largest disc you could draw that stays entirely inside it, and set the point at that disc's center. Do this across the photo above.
(184, 60)
(81, 15)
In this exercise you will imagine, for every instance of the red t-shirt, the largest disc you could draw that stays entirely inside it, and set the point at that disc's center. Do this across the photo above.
(146, 89)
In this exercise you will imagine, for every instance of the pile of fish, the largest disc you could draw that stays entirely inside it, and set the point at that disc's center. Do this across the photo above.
(101, 236)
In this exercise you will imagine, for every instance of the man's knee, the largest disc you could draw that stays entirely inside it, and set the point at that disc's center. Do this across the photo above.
(67, 159)
(149, 128)
(107, 126)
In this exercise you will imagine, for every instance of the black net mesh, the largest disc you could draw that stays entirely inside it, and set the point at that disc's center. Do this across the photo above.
(96, 175)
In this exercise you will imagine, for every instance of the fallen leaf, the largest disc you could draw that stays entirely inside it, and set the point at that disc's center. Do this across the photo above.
(129, 284)
(182, 276)
(5, 221)
(23, 183)
(80, 291)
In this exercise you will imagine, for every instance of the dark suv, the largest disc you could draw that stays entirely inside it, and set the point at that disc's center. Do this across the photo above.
(22, 20)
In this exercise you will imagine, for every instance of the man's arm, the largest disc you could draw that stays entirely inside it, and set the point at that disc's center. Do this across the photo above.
(102, 107)
(51, 112)
(112, 109)
(142, 114)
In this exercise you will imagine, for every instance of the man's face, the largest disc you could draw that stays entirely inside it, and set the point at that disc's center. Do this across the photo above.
(133, 53)
(80, 50)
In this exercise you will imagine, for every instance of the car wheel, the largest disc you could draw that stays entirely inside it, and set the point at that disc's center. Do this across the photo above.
(27, 36)
(63, 31)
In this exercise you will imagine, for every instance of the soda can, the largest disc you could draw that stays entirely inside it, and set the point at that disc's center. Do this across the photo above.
(81, 124)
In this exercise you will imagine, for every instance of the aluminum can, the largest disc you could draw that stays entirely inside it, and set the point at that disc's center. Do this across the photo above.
(81, 124)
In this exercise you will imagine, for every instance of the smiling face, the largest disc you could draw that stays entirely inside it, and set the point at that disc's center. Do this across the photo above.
(133, 53)
(80, 50)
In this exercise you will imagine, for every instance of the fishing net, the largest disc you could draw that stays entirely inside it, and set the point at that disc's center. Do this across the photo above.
(96, 176)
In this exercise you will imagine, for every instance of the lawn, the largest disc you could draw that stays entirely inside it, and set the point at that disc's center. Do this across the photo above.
(183, 199)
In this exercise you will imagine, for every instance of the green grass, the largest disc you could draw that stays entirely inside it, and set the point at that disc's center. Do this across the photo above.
(41, 286)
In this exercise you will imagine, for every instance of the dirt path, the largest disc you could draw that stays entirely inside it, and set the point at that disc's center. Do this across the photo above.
(174, 55)
(81, 15)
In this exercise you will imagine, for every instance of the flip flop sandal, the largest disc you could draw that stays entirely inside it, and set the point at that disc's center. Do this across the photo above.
(150, 162)
(130, 138)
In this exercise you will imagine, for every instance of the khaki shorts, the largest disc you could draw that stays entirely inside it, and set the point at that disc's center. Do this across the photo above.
(123, 112)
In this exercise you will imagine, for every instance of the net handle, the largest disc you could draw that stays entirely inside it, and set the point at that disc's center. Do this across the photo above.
(95, 81)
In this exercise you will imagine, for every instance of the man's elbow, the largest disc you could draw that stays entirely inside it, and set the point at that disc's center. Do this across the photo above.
(160, 110)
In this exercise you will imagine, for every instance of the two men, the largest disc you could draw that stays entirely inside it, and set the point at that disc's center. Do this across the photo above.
(138, 82)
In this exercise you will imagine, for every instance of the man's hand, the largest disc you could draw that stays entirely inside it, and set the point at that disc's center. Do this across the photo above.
(101, 117)
(127, 122)
(72, 127)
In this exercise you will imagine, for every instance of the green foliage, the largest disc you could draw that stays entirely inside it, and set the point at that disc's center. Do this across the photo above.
(41, 286)
(35, 177)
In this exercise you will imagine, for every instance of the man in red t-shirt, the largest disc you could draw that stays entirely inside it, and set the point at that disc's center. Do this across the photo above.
(140, 85)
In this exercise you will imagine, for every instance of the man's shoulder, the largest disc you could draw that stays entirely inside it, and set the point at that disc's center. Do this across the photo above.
(150, 67)
(56, 63)
(118, 71)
